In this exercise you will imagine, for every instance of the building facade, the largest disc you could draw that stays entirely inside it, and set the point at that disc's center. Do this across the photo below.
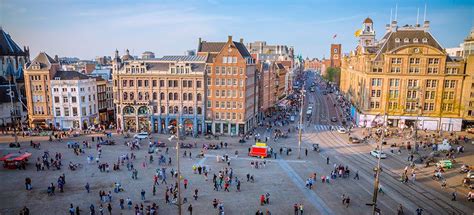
(336, 54)
(154, 95)
(232, 89)
(37, 77)
(405, 79)
(74, 100)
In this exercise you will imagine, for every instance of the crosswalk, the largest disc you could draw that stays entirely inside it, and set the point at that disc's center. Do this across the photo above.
(322, 127)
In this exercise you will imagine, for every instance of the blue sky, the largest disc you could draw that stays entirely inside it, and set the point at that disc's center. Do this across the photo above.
(92, 28)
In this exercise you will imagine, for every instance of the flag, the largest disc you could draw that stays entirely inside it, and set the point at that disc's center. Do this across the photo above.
(357, 33)
(334, 37)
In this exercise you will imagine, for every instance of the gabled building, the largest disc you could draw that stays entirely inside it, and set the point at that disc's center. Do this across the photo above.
(231, 87)
(404, 79)
(74, 100)
(38, 75)
(155, 95)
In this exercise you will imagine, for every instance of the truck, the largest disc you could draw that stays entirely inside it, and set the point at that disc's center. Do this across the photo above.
(260, 150)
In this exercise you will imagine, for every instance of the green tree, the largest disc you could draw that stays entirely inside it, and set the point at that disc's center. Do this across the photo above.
(332, 74)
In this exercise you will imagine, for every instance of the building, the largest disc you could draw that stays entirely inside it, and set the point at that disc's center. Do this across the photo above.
(262, 51)
(153, 95)
(405, 79)
(268, 80)
(74, 97)
(336, 53)
(468, 45)
(232, 89)
(12, 60)
(37, 76)
(148, 55)
(105, 102)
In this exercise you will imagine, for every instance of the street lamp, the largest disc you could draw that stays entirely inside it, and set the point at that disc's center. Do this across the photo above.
(177, 160)
(301, 120)
(377, 176)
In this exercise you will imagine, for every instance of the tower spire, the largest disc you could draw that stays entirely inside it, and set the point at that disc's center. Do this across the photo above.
(396, 12)
(417, 16)
(391, 15)
(424, 16)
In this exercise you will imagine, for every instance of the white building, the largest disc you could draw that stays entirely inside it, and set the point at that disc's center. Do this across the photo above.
(74, 100)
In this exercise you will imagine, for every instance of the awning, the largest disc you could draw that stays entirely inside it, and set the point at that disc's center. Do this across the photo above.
(6, 157)
(22, 157)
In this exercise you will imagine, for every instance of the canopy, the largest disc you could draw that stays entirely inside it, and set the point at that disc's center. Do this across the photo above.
(6, 157)
(16, 157)
(22, 157)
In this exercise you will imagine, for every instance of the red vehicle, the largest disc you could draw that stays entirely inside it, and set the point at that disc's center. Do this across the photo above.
(12, 160)
(260, 150)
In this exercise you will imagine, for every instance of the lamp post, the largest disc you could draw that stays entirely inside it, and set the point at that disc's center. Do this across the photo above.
(377, 176)
(12, 111)
(178, 126)
(301, 121)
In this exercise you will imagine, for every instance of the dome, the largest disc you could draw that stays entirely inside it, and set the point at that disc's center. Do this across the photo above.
(127, 56)
(368, 20)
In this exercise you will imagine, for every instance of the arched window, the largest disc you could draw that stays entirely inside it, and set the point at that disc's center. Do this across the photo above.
(162, 96)
(415, 40)
(128, 110)
(176, 109)
(140, 96)
(185, 110)
(132, 96)
(406, 40)
(424, 40)
(125, 95)
(155, 96)
(190, 110)
(170, 109)
(190, 97)
(176, 97)
(199, 110)
(170, 96)
(397, 40)
(198, 97)
(143, 110)
(147, 96)
(162, 110)
(185, 96)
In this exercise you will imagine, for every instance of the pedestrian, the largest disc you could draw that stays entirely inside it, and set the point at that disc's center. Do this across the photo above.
(109, 208)
(154, 189)
(327, 160)
(121, 202)
(78, 210)
(143, 194)
(196, 194)
(296, 208)
(301, 209)
(357, 175)
(92, 209)
(190, 209)
(419, 211)
(185, 183)
(129, 203)
(306, 152)
(262, 200)
(348, 200)
(400, 210)
(72, 210)
(87, 187)
(454, 194)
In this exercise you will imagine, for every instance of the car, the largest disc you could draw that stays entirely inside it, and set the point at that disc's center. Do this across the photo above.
(333, 119)
(354, 140)
(341, 130)
(292, 118)
(141, 135)
(470, 174)
(378, 153)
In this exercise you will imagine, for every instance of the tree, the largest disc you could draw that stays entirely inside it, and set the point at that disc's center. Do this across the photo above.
(332, 74)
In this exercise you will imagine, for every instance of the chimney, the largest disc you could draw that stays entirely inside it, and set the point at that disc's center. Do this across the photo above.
(426, 25)
(387, 27)
(242, 40)
(229, 39)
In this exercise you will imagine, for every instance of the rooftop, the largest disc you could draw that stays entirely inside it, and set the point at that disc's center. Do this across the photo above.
(70, 75)
(8, 47)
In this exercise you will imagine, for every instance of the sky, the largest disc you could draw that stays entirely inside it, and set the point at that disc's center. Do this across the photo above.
(90, 28)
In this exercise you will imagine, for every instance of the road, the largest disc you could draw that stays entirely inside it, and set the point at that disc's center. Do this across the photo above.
(336, 146)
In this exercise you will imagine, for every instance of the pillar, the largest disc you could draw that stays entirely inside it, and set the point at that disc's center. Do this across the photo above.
(195, 125)
(166, 124)
(159, 124)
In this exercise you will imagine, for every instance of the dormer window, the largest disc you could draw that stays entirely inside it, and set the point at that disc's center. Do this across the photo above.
(415, 40)
(406, 40)
(397, 40)
(424, 40)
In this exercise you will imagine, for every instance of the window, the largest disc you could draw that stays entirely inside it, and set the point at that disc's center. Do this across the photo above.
(57, 111)
(217, 70)
(222, 93)
(170, 83)
(406, 40)
(428, 106)
(74, 99)
(217, 93)
(412, 83)
(162, 96)
(394, 82)
(176, 96)
(190, 84)
(411, 94)
(392, 105)
(224, 59)
(414, 70)
(139, 83)
(432, 70)
(198, 84)
(449, 83)
(430, 94)
(145, 83)
(223, 82)
(217, 104)
(64, 89)
(209, 103)
(397, 40)
(431, 83)
(175, 83)
(374, 105)
(223, 70)
(395, 69)
(185, 83)
(74, 111)
(451, 70)
(217, 115)
(185, 96)
(198, 97)
(432, 61)
(229, 82)
(447, 107)
(218, 81)
(393, 94)
(65, 99)
(396, 61)
(424, 40)
(414, 60)
(415, 40)
(131, 83)
(56, 99)
(66, 111)
(376, 81)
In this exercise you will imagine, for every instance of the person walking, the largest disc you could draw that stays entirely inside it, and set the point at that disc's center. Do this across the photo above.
(327, 160)
(185, 181)
(92, 209)
(306, 152)
(87, 187)
(72, 210)
(129, 203)
(190, 209)
(400, 210)
(301, 209)
(196, 194)
(143, 194)
(454, 195)
(357, 175)
(109, 208)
